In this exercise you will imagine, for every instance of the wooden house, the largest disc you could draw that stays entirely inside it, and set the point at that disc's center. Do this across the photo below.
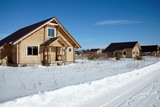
(97, 51)
(46, 42)
(150, 50)
(123, 49)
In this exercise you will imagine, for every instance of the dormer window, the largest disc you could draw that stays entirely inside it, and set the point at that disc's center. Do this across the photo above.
(51, 32)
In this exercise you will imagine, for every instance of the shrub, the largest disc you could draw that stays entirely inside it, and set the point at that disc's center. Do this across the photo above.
(139, 58)
(90, 57)
(78, 53)
(96, 56)
(118, 58)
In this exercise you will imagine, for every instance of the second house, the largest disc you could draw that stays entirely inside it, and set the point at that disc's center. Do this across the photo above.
(123, 49)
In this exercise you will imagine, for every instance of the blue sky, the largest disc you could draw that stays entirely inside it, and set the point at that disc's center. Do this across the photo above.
(93, 23)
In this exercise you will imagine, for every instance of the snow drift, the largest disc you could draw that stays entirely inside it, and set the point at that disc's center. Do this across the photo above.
(103, 92)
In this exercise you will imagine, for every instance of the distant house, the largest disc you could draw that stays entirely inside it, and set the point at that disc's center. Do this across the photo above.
(97, 51)
(46, 42)
(123, 49)
(150, 50)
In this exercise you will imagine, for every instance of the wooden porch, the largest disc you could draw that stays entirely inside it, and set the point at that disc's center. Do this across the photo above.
(53, 51)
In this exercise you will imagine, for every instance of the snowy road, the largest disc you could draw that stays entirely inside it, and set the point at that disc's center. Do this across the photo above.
(144, 94)
(139, 88)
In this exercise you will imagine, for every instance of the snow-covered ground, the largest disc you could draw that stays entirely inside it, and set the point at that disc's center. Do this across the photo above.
(85, 83)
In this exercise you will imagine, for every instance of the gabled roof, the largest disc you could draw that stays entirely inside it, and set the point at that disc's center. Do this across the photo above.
(52, 40)
(48, 42)
(21, 33)
(94, 50)
(120, 46)
(150, 48)
(24, 32)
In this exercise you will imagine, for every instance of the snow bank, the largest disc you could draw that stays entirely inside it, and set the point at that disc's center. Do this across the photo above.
(83, 94)
(24, 81)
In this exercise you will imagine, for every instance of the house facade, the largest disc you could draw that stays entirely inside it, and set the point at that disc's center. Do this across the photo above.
(97, 51)
(150, 50)
(123, 49)
(46, 42)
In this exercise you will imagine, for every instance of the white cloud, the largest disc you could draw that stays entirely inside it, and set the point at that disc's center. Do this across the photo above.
(89, 39)
(106, 22)
(101, 46)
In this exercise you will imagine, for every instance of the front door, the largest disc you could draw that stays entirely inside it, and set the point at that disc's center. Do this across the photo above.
(53, 54)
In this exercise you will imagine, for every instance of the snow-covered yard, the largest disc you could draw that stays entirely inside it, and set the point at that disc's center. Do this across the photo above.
(85, 83)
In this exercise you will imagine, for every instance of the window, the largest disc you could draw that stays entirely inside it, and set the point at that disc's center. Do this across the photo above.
(32, 50)
(50, 32)
(133, 52)
(35, 50)
(29, 50)
(69, 50)
(137, 52)
(124, 53)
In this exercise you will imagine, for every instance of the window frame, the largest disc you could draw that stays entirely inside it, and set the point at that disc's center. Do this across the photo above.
(32, 54)
(48, 32)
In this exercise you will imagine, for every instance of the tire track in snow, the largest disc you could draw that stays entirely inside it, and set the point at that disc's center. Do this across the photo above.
(152, 94)
(119, 100)
(139, 92)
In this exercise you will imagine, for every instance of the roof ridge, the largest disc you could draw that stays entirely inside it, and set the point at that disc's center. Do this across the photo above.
(120, 46)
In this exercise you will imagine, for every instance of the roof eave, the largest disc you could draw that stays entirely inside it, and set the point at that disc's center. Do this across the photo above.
(69, 35)
(33, 31)
(54, 18)
(139, 46)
